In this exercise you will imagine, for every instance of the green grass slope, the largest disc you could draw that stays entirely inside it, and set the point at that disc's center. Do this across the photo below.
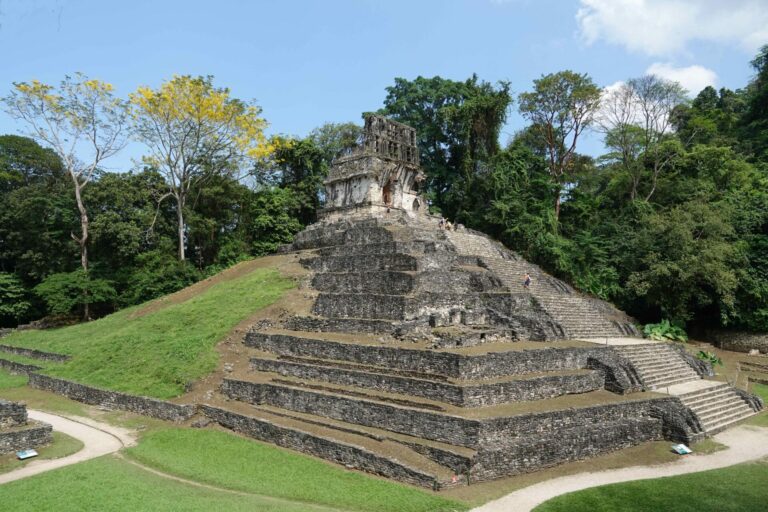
(157, 353)
(224, 460)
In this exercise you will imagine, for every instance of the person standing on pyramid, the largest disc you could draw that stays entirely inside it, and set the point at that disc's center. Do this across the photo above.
(527, 281)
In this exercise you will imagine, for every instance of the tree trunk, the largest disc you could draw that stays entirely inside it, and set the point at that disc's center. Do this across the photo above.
(83, 242)
(180, 220)
(557, 206)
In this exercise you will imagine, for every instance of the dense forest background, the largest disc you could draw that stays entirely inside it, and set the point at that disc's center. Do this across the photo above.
(672, 222)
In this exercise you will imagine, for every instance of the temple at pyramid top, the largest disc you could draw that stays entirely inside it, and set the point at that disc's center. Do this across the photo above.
(380, 175)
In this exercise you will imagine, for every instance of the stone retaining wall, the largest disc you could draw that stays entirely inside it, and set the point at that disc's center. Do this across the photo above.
(738, 341)
(449, 364)
(535, 453)
(33, 435)
(35, 354)
(19, 368)
(468, 395)
(113, 399)
(442, 427)
(340, 453)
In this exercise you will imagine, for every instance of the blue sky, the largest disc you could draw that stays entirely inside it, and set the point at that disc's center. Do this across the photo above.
(309, 62)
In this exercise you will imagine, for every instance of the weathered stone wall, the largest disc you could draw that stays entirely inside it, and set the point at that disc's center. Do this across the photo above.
(18, 368)
(538, 452)
(449, 364)
(33, 435)
(738, 341)
(436, 426)
(503, 431)
(12, 414)
(468, 395)
(34, 354)
(113, 399)
(348, 455)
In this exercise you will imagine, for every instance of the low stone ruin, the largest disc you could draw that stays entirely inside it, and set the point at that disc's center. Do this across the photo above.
(17, 431)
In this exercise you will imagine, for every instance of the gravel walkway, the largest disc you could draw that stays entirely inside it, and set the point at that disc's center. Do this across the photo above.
(99, 439)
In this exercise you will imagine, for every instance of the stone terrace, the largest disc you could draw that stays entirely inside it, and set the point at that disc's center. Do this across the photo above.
(416, 363)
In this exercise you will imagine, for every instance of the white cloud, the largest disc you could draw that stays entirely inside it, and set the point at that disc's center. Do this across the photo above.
(664, 27)
(693, 78)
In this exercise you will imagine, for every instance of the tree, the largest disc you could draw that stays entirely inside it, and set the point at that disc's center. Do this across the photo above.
(335, 139)
(457, 125)
(194, 130)
(656, 99)
(83, 123)
(561, 106)
(66, 292)
(24, 162)
(14, 299)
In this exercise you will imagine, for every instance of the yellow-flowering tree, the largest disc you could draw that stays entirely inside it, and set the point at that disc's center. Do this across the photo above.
(195, 130)
(83, 122)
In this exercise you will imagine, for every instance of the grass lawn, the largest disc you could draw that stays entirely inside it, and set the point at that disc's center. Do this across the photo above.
(109, 484)
(156, 354)
(225, 460)
(740, 488)
(9, 381)
(62, 446)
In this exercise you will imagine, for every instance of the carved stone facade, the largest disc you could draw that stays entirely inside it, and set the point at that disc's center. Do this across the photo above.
(380, 175)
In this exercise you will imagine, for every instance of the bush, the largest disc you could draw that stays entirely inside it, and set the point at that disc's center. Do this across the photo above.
(665, 331)
(14, 303)
(69, 292)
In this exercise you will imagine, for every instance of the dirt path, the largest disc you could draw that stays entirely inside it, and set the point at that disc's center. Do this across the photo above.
(745, 443)
(98, 439)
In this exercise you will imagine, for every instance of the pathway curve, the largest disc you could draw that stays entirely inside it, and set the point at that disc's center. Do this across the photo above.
(98, 439)
(101, 439)
(745, 443)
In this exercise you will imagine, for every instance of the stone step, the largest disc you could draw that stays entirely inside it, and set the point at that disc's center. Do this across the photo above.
(724, 423)
(392, 262)
(667, 369)
(667, 383)
(524, 387)
(705, 392)
(708, 413)
(724, 394)
(715, 421)
(354, 451)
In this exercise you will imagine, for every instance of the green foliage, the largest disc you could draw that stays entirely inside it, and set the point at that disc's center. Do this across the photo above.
(710, 357)
(156, 352)
(665, 331)
(458, 126)
(158, 273)
(24, 162)
(14, 298)
(216, 458)
(68, 292)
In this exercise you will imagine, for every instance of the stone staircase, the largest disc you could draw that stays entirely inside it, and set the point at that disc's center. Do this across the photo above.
(578, 315)
(658, 364)
(717, 406)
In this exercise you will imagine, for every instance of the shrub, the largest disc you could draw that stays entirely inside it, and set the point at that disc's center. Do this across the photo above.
(665, 331)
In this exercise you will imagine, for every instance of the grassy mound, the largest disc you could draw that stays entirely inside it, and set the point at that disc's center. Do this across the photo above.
(156, 351)
(225, 460)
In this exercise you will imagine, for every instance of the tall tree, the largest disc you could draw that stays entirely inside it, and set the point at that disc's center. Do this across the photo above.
(561, 106)
(194, 130)
(656, 99)
(24, 162)
(83, 122)
(458, 126)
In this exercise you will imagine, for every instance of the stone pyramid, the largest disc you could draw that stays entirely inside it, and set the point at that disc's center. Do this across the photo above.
(424, 359)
